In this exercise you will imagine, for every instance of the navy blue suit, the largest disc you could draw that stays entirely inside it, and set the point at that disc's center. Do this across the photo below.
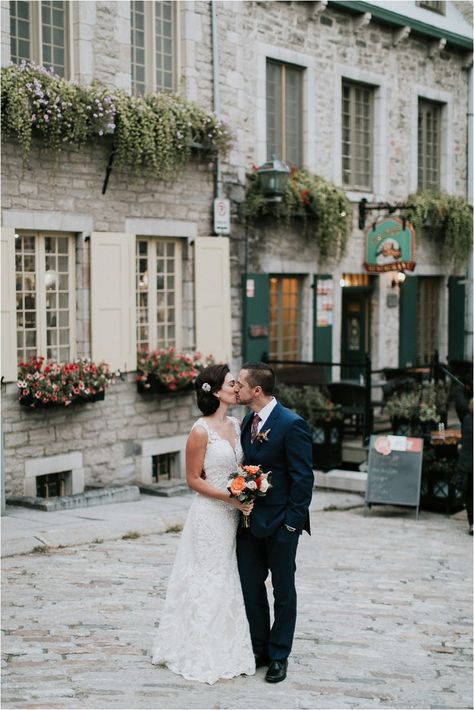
(268, 545)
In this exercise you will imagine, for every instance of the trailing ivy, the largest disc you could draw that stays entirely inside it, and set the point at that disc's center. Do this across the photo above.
(445, 218)
(324, 207)
(156, 132)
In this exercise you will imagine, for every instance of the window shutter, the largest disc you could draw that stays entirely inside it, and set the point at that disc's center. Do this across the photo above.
(113, 299)
(456, 311)
(9, 358)
(408, 322)
(256, 295)
(212, 288)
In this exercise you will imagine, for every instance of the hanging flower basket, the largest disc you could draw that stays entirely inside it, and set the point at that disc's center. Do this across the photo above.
(44, 385)
(165, 371)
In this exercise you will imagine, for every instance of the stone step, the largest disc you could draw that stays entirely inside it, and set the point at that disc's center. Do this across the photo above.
(166, 489)
(341, 480)
(93, 496)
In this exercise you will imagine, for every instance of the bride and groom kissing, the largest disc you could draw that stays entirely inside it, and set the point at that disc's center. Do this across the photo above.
(216, 622)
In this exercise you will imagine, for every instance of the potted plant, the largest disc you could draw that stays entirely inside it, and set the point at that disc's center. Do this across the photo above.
(417, 413)
(43, 385)
(442, 484)
(325, 419)
(164, 371)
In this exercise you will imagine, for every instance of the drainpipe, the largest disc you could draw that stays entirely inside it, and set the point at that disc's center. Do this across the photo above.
(468, 344)
(215, 84)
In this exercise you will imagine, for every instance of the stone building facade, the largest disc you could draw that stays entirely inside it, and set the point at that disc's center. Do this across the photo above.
(331, 45)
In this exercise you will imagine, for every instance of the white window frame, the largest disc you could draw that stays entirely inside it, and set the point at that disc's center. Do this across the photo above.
(380, 156)
(41, 327)
(150, 48)
(153, 342)
(444, 98)
(309, 116)
(36, 37)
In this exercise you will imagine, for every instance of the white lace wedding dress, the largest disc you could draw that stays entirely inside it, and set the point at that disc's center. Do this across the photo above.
(203, 633)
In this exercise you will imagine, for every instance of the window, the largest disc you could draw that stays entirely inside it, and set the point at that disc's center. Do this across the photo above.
(153, 43)
(164, 467)
(357, 130)
(427, 318)
(429, 144)
(158, 287)
(39, 32)
(284, 112)
(434, 5)
(50, 485)
(45, 295)
(285, 309)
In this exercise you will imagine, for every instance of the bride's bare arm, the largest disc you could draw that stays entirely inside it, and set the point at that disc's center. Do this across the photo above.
(195, 452)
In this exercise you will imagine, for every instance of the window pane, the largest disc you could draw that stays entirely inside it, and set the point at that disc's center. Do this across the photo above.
(53, 26)
(293, 117)
(137, 47)
(274, 111)
(429, 145)
(20, 31)
(164, 45)
(356, 148)
(285, 318)
(25, 260)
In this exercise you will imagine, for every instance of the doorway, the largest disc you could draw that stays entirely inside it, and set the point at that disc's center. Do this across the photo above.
(355, 330)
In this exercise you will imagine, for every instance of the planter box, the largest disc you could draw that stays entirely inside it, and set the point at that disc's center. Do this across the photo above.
(157, 387)
(402, 426)
(442, 491)
(34, 403)
(327, 445)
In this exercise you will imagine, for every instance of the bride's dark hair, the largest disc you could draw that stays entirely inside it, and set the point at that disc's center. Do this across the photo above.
(212, 378)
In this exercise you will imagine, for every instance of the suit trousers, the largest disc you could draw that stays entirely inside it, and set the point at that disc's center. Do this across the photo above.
(256, 557)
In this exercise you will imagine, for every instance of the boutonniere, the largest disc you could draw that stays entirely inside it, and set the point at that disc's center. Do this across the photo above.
(262, 436)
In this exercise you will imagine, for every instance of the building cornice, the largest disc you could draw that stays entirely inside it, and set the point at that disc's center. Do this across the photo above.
(396, 19)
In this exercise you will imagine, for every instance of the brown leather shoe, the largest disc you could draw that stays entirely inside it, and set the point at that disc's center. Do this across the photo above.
(276, 671)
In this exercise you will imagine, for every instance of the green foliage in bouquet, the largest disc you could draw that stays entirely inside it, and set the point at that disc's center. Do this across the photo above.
(325, 208)
(445, 218)
(156, 132)
(171, 370)
(53, 384)
(310, 403)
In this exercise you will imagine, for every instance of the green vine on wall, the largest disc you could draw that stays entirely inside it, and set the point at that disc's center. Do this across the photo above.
(445, 218)
(324, 207)
(156, 132)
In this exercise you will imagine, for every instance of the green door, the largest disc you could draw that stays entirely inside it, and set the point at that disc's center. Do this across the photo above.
(355, 336)
(256, 309)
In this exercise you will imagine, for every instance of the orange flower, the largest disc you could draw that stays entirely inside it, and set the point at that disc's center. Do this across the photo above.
(252, 470)
(237, 485)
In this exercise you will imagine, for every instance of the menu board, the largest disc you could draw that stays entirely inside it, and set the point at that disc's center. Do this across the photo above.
(324, 303)
(394, 474)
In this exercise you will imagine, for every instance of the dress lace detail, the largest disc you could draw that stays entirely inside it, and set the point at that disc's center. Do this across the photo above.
(203, 633)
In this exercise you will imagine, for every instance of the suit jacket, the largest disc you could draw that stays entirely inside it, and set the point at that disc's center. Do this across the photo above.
(288, 455)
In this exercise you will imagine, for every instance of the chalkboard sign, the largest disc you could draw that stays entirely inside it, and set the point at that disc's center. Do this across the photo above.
(394, 475)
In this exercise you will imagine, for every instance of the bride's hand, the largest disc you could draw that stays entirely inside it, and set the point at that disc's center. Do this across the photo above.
(245, 508)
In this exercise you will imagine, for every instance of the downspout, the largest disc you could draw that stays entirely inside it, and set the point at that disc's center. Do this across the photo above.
(215, 85)
(468, 324)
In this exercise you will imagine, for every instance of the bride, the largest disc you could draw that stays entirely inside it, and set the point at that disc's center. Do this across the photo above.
(203, 633)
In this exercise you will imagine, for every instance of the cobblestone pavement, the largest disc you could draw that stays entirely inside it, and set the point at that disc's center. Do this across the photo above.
(384, 621)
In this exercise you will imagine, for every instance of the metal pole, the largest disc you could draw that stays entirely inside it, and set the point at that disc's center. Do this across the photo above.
(215, 86)
(368, 417)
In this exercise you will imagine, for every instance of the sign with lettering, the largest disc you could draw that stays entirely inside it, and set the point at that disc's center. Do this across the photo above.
(390, 246)
(394, 473)
(221, 216)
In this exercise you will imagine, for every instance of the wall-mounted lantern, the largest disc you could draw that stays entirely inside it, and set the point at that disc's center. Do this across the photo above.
(273, 176)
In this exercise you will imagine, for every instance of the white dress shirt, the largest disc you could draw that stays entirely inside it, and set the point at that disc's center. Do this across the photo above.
(265, 412)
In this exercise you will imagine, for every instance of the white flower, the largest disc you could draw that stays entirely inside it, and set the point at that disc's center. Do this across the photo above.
(206, 387)
(251, 485)
(264, 486)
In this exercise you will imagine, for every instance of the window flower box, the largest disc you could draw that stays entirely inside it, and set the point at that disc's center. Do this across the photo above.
(44, 385)
(165, 371)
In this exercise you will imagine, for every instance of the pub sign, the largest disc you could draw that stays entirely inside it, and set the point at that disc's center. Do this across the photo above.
(390, 246)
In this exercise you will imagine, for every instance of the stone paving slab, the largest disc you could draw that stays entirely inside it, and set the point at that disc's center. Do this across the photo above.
(384, 621)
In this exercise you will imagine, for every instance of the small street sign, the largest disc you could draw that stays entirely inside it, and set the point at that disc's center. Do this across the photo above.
(221, 216)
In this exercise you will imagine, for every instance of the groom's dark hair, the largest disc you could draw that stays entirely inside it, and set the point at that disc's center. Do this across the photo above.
(260, 374)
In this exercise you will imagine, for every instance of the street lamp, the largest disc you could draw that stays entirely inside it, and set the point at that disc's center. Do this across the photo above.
(398, 279)
(273, 176)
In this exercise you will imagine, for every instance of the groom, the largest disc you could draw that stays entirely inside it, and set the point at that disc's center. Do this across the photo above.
(280, 441)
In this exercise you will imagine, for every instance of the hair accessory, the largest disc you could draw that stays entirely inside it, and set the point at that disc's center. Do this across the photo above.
(206, 387)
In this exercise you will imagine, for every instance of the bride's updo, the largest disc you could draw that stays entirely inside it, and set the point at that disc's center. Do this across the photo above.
(208, 382)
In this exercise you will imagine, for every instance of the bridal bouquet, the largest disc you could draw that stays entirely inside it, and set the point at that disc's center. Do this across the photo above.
(246, 484)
